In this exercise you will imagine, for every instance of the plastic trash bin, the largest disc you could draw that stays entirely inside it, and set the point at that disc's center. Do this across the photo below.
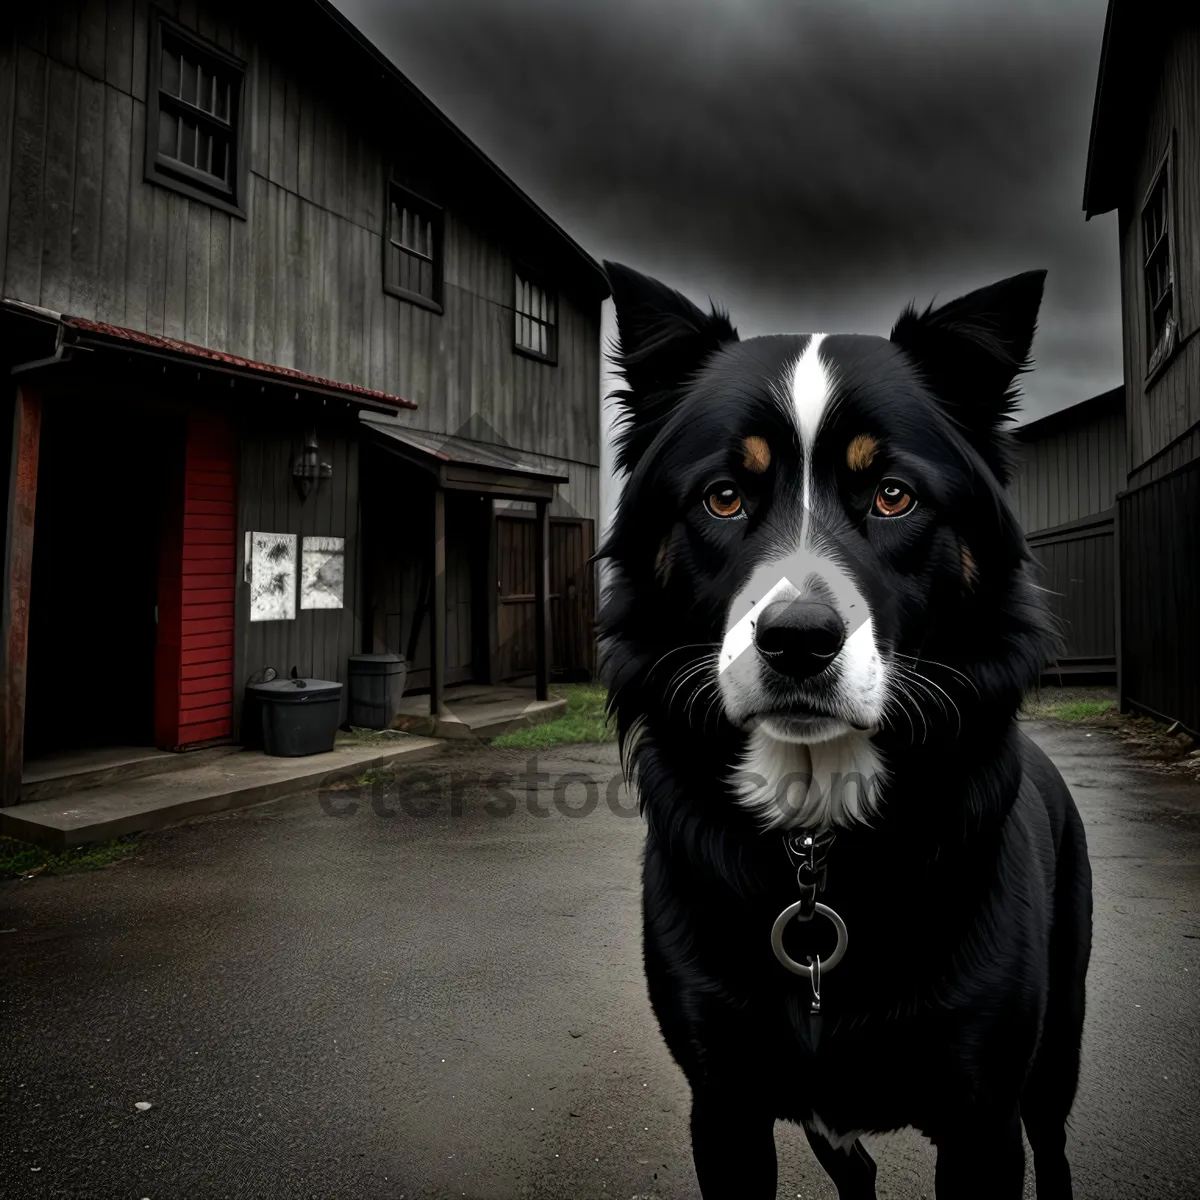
(299, 716)
(376, 686)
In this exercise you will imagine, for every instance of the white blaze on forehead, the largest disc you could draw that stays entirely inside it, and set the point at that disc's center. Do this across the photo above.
(810, 390)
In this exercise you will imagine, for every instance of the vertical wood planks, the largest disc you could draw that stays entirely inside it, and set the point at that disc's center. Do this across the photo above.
(196, 281)
(114, 203)
(59, 188)
(218, 281)
(26, 215)
(18, 578)
(118, 46)
(139, 229)
(87, 230)
(92, 16)
(8, 96)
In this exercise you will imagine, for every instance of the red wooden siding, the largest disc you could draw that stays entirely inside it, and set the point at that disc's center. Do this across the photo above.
(197, 583)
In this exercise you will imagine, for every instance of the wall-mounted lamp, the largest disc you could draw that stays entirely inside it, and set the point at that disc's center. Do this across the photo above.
(309, 469)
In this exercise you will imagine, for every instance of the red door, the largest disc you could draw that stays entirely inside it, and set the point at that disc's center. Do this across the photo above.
(196, 588)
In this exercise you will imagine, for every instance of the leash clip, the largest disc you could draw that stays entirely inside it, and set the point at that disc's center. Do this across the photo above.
(807, 852)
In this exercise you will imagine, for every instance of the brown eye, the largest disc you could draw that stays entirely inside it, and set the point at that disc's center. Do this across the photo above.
(723, 500)
(892, 499)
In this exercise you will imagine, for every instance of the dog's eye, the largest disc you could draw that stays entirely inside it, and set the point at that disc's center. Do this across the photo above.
(892, 499)
(723, 499)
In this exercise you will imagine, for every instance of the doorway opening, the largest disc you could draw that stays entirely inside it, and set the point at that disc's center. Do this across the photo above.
(102, 474)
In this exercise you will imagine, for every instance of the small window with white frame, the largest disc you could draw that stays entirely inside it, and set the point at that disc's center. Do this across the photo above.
(1158, 269)
(535, 313)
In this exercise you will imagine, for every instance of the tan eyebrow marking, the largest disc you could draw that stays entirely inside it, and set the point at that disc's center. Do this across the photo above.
(662, 562)
(969, 569)
(757, 454)
(860, 454)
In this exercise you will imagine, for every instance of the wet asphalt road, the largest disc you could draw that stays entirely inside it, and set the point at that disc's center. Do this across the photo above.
(322, 1000)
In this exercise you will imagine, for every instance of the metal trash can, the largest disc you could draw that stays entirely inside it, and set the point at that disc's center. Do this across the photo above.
(376, 686)
(299, 716)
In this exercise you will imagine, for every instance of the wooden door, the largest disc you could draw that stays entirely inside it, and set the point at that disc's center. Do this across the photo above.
(516, 611)
(572, 653)
(197, 591)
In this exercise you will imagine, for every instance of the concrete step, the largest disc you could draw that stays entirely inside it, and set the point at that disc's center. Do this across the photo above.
(485, 718)
(233, 780)
(65, 774)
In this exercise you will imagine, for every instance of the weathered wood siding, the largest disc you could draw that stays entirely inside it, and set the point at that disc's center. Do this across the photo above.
(299, 282)
(1160, 579)
(398, 540)
(1071, 471)
(1170, 405)
(317, 642)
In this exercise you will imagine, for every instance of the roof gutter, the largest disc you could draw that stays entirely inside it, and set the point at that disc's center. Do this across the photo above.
(62, 353)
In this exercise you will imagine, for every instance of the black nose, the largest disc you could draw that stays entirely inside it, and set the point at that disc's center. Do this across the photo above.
(799, 638)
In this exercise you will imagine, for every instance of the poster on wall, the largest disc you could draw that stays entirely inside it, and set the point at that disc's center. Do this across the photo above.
(272, 576)
(322, 572)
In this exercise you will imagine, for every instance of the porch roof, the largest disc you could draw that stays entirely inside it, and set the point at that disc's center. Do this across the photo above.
(85, 333)
(460, 464)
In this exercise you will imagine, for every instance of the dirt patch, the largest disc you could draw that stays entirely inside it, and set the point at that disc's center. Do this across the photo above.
(1152, 743)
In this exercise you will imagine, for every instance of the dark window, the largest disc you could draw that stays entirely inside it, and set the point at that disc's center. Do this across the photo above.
(1158, 266)
(412, 267)
(535, 312)
(194, 111)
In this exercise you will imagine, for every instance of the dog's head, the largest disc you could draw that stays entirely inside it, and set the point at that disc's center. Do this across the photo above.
(826, 515)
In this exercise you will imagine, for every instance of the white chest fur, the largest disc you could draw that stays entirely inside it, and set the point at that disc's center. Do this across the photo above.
(810, 786)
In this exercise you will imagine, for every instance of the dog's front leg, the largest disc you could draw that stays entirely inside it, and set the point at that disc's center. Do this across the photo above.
(852, 1169)
(733, 1146)
(982, 1160)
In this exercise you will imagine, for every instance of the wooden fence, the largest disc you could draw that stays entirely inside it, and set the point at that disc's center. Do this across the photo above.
(1158, 540)
(1078, 570)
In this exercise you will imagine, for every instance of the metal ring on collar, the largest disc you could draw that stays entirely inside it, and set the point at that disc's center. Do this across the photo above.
(827, 964)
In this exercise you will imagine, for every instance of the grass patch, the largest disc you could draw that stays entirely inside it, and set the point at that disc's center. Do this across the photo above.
(18, 859)
(1094, 705)
(1081, 710)
(584, 720)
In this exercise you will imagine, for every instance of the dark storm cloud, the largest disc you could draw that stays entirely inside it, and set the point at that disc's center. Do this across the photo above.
(809, 165)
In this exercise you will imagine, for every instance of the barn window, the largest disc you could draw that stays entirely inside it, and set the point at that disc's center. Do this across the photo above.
(1158, 267)
(535, 317)
(412, 267)
(194, 117)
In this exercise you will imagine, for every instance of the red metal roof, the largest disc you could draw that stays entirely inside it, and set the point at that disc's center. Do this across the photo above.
(269, 371)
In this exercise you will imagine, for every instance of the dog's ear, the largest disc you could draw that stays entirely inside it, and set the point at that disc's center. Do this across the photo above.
(971, 351)
(662, 340)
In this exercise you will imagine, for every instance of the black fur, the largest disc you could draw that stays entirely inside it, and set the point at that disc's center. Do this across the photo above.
(959, 1006)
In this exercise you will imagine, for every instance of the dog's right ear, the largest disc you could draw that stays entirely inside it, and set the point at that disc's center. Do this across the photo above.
(662, 340)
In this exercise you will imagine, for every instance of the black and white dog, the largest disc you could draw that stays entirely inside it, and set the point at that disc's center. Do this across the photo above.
(867, 897)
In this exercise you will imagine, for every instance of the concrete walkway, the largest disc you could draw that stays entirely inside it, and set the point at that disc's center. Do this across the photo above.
(94, 795)
(477, 710)
(434, 990)
(133, 800)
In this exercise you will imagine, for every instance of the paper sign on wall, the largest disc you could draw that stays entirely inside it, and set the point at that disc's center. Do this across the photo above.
(322, 572)
(272, 576)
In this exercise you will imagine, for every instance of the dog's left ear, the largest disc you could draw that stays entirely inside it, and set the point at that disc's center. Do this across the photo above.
(662, 340)
(971, 350)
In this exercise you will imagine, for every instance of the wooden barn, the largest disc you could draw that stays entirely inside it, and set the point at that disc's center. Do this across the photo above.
(1071, 466)
(1144, 162)
(294, 372)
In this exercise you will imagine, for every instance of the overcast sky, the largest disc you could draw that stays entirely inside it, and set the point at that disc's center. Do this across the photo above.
(810, 164)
